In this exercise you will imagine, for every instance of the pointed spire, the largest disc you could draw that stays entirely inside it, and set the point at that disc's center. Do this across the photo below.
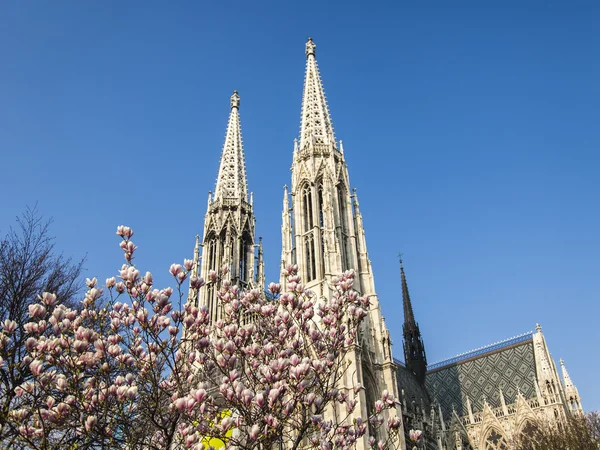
(571, 392)
(470, 410)
(503, 401)
(193, 294)
(443, 423)
(414, 349)
(286, 202)
(547, 375)
(409, 316)
(565, 374)
(231, 182)
(316, 126)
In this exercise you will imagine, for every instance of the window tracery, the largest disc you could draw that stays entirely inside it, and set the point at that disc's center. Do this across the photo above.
(495, 441)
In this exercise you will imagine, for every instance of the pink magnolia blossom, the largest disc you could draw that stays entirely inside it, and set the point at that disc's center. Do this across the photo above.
(95, 369)
(124, 231)
(9, 326)
(415, 435)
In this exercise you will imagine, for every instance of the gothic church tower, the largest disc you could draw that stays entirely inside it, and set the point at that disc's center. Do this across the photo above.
(414, 349)
(229, 224)
(322, 232)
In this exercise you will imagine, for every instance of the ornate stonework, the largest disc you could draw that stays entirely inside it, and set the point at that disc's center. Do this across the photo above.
(479, 400)
(322, 232)
(229, 237)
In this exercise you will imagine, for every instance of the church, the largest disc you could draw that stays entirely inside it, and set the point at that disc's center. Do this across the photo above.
(479, 400)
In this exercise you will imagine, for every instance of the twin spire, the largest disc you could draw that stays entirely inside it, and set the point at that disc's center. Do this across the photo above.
(231, 182)
(316, 126)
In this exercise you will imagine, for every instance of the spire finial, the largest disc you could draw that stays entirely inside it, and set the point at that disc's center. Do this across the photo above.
(409, 317)
(562, 362)
(235, 100)
(538, 327)
(571, 391)
(310, 47)
(231, 181)
(315, 127)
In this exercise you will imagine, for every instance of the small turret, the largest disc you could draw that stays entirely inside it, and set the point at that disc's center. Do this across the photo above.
(571, 392)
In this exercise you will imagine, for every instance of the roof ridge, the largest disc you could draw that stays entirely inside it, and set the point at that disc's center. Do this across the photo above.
(481, 350)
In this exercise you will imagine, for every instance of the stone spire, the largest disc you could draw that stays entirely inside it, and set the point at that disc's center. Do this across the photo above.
(286, 234)
(409, 316)
(571, 392)
(231, 181)
(229, 223)
(323, 233)
(193, 294)
(316, 126)
(547, 374)
(414, 349)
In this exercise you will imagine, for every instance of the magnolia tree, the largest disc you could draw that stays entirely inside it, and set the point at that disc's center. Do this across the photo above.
(140, 367)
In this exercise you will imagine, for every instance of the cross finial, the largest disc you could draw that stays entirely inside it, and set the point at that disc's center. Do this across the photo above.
(310, 47)
(400, 257)
(235, 100)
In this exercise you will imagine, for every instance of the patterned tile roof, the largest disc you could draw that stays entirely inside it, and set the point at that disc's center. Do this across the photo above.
(480, 374)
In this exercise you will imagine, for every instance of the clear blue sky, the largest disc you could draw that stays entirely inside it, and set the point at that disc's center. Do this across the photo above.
(470, 128)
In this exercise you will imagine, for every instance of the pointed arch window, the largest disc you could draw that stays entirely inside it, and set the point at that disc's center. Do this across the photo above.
(310, 257)
(343, 224)
(528, 437)
(307, 208)
(320, 203)
(244, 249)
(212, 252)
(309, 252)
(214, 248)
(370, 395)
(495, 441)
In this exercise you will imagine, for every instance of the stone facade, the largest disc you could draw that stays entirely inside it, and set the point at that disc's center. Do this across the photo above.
(479, 400)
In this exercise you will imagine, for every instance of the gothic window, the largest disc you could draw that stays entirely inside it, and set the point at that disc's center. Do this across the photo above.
(574, 404)
(343, 225)
(212, 252)
(309, 252)
(321, 216)
(341, 194)
(221, 251)
(527, 437)
(370, 389)
(495, 441)
(214, 247)
(529, 429)
(321, 223)
(307, 209)
(243, 258)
